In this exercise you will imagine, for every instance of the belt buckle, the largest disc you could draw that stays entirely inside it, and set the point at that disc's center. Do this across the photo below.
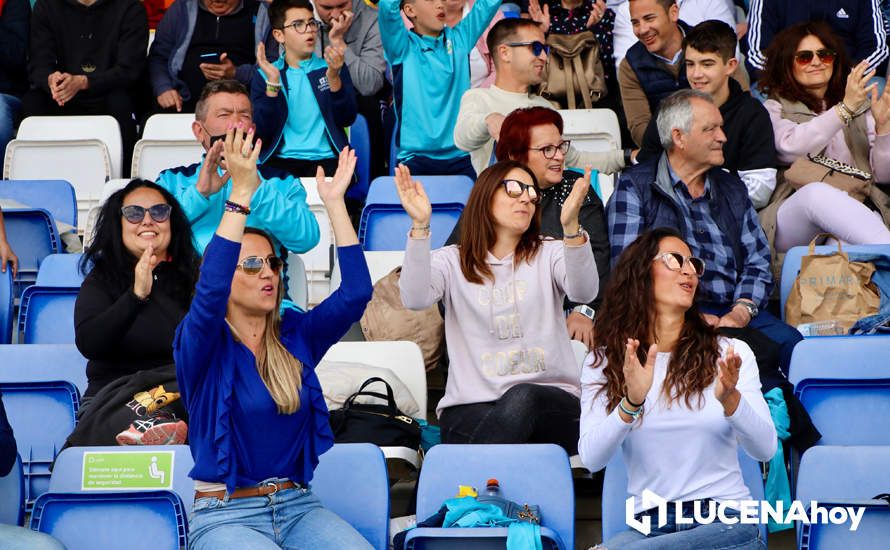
(274, 486)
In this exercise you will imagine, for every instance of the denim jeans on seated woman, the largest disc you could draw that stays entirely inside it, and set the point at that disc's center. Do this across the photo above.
(292, 518)
(694, 536)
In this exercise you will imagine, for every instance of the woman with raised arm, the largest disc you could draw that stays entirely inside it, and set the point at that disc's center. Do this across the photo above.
(513, 377)
(662, 388)
(258, 420)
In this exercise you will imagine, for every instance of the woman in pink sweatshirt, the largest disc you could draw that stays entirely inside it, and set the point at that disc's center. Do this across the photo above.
(512, 377)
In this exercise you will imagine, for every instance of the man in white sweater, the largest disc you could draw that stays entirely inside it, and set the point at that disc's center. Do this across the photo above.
(513, 44)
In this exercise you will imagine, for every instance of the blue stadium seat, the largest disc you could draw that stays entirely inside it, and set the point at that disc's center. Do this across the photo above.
(33, 236)
(615, 491)
(528, 474)
(68, 470)
(151, 520)
(60, 270)
(351, 481)
(7, 302)
(791, 266)
(845, 476)
(360, 141)
(384, 223)
(12, 495)
(834, 375)
(42, 416)
(46, 315)
(55, 196)
(43, 363)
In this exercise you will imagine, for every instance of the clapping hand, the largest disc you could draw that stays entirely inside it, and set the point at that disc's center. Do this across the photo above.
(539, 15)
(144, 272)
(858, 88)
(269, 70)
(638, 377)
(336, 188)
(413, 197)
(209, 179)
(727, 378)
(242, 154)
(596, 13)
(880, 109)
(571, 208)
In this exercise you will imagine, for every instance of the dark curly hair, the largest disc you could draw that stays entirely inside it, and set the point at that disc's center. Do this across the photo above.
(627, 312)
(108, 259)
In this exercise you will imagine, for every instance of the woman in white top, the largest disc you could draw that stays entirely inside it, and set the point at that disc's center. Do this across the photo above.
(678, 411)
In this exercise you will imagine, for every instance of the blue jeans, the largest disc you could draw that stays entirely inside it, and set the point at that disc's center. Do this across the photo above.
(10, 109)
(13, 537)
(695, 536)
(291, 519)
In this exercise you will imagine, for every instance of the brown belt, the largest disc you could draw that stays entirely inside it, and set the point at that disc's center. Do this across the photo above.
(258, 491)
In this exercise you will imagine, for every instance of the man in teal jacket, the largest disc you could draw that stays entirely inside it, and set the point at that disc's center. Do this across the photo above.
(279, 205)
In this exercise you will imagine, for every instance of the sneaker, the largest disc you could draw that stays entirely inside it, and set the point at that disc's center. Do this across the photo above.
(160, 429)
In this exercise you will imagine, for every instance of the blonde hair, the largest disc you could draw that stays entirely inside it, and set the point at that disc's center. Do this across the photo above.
(280, 371)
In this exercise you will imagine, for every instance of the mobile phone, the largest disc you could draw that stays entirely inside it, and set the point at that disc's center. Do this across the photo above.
(212, 57)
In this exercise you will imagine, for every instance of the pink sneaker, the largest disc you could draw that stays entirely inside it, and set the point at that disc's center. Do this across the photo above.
(159, 430)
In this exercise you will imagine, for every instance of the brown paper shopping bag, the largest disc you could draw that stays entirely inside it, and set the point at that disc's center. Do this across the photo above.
(831, 288)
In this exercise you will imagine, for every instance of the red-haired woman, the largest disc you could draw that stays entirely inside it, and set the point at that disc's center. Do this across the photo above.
(818, 105)
(533, 136)
(512, 375)
(673, 397)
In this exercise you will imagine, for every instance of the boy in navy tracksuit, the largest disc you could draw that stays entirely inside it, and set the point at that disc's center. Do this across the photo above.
(301, 102)
(431, 71)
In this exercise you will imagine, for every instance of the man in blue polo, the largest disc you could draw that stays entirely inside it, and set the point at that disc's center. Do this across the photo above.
(430, 74)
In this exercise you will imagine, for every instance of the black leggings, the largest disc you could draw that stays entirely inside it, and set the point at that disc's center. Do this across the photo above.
(526, 413)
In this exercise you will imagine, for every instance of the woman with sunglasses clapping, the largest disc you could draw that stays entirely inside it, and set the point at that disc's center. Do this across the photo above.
(258, 420)
(512, 377)
(818, 105)
(141, 270)
(673, 397)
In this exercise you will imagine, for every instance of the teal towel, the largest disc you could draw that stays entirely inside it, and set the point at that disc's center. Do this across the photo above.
(468, 512)
(777, 486)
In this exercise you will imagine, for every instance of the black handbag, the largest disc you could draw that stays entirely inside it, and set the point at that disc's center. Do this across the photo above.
(382, 425)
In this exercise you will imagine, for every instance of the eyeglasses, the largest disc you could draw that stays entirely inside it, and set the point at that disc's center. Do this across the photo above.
(536, 46)
(253, 265)
(675, 262)
(515, 189)
(135, 213)
(302, 27)
(805, 57)
(549, 151)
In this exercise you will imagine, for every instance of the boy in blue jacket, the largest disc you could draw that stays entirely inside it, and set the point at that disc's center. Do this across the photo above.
(301, 102)
(431, 71)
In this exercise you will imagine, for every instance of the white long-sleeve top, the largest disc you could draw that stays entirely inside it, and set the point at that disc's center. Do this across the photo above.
(505, 333)
(677, 452)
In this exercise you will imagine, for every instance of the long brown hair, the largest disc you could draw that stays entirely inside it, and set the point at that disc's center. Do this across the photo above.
(627, 312)
(477, 232)
(778, 75)
(281, 372)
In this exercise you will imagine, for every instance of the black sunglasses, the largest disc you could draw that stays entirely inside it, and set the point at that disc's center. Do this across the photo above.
(253, 265)
(537, 47)
(675, 262)
(135, 213)
(515, 189)
(805, 57)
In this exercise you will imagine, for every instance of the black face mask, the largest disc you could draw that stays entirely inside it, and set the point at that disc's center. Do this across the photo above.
(214, 139)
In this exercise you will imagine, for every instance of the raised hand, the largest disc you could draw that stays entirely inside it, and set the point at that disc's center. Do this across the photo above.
(413, 197)
(727, 379)
(571, 208)
(596, 13)
(241, 155)
(270, 71)
(857, 90)
(209, 179)
(144, 268)
(638, 377)
(336, 188)
(880, 109)
(538, 15)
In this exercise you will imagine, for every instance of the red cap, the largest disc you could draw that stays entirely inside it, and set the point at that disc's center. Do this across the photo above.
(492, 481)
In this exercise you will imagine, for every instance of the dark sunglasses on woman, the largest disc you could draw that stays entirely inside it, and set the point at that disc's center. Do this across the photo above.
(253, 265)
(805, 57)
(515, 189)
(675, 262)
(135, 213)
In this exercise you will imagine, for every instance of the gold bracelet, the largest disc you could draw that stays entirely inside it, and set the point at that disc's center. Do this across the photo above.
(843, 114)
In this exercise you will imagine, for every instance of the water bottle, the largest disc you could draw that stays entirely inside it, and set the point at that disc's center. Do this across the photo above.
(493, 488)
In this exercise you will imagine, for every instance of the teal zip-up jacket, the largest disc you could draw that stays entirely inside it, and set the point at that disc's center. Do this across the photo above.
(278, 207)
(430, 75)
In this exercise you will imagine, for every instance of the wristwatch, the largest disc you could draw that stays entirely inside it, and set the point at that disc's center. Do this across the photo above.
(750, 306)
(585, 310)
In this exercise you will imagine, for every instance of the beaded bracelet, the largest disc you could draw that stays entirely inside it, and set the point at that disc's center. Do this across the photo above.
(633, 414)
(237, 208)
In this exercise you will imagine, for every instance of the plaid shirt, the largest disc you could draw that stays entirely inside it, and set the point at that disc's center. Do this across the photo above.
(723, 282)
